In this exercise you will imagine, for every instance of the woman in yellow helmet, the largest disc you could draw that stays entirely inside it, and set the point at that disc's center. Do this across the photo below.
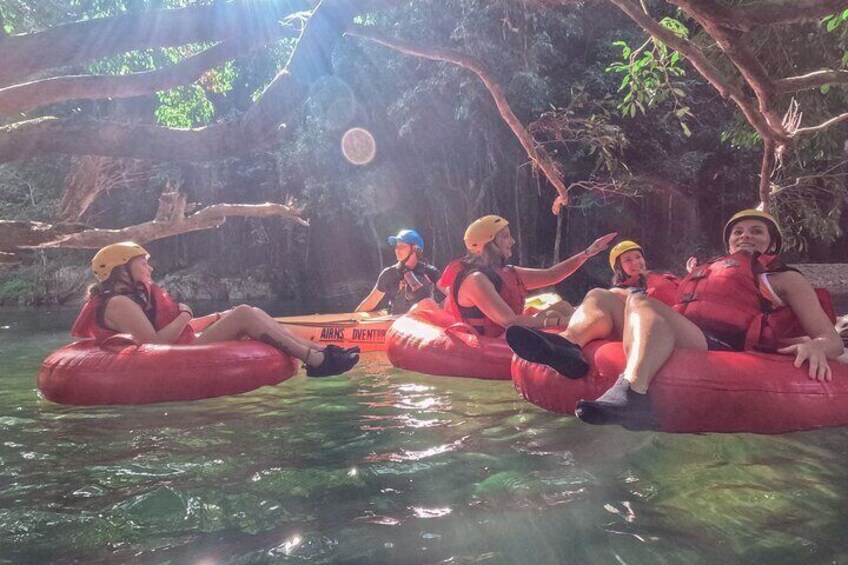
(631, 274)
(488, 293)
(722, 306)
(126, 300)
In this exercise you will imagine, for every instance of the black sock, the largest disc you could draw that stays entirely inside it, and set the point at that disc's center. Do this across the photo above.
(619, 405)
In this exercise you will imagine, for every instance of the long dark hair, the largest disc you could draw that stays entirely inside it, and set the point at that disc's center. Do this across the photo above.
(619, 276)
(490, 257)
(119, 282)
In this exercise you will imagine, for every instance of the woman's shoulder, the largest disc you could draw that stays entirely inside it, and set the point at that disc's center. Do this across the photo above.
(118, 302)
(787, 281)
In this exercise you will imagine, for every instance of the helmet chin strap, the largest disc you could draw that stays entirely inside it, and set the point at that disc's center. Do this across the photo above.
(402, 263)
(134, 284)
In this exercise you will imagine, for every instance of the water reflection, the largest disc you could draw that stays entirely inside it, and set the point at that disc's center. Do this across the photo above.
(385, 466)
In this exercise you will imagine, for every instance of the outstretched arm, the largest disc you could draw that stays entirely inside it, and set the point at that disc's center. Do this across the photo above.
(824, 342)
(371, 301)
(538, 278)
(480, 291)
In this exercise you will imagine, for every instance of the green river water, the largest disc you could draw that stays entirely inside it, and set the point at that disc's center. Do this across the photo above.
(387, 466)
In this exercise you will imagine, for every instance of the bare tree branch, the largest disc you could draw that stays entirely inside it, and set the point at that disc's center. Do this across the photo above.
(210, 217)
(703, 65)
(23, 97)
(809, 81)
(90, 176)
(733, 44)
(259, 126)
(768, 12)
(538, 156)
(45, 136)
(822, 126)
(75, 43)
(765, 172)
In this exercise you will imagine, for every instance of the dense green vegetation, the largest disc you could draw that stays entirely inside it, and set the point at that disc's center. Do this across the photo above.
(663, 158)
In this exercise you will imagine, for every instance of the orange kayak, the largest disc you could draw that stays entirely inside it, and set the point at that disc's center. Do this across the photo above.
(364, 329)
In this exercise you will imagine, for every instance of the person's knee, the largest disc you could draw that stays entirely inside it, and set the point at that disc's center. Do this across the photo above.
(598, 295)
(243, 312)
(639, 303)
(640, 300)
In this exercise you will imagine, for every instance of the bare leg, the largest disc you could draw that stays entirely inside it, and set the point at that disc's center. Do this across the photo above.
(244, 320)
(652, 332)
(601, 315)
(562, 309)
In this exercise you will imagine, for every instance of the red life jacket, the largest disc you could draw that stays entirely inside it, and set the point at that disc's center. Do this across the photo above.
(449, 275)
(723, 298)
(163, 310)
(507, 282)
(662, 286)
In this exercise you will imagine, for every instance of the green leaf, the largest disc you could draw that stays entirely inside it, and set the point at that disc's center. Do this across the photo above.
(825, 88)
(832, 24)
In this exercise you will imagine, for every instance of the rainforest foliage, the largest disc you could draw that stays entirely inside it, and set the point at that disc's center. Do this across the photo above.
(649, 148)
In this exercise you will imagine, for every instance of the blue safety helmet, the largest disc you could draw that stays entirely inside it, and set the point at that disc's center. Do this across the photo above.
(411, 237)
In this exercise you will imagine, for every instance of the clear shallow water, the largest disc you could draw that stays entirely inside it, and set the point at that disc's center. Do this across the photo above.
(387, 466)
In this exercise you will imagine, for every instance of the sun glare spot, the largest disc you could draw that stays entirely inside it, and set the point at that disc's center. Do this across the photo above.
(421, 512)
(358, 146)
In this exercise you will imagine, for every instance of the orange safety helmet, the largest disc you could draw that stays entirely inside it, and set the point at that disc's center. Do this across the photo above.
(482, 231)
(115, 255)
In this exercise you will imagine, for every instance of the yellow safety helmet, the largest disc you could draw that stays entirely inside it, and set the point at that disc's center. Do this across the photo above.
(621, 248)
(482, 231)
(113, 256)
(765, 217)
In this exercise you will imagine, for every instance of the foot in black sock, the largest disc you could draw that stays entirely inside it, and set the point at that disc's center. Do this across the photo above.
(336, 361)
(348, 350)
(548, 349)
(619, 405)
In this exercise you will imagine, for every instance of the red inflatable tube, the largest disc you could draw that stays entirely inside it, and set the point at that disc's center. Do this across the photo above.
(430, 340)
(84, 373)
(698, 391)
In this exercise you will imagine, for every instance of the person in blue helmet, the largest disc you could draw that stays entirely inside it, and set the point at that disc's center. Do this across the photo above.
(408, 281)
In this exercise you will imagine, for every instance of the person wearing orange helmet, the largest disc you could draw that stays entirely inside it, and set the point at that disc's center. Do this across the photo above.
(125, 300)
(488, 294)
(723, 305)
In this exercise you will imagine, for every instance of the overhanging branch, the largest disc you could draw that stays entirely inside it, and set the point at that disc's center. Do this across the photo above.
(21, 98)
(80, 42)
(257, 127)
(707, 70)
(778, 12)
(809, 81)
(538, 156)
(822, 126)
(208, 218)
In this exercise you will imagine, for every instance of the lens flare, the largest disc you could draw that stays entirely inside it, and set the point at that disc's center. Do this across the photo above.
(358, 146)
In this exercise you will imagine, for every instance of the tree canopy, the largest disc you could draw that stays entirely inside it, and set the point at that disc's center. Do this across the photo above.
(605, 100)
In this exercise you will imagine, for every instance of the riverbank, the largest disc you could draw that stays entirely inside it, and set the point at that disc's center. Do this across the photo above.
(41, 285)
(36, 286)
